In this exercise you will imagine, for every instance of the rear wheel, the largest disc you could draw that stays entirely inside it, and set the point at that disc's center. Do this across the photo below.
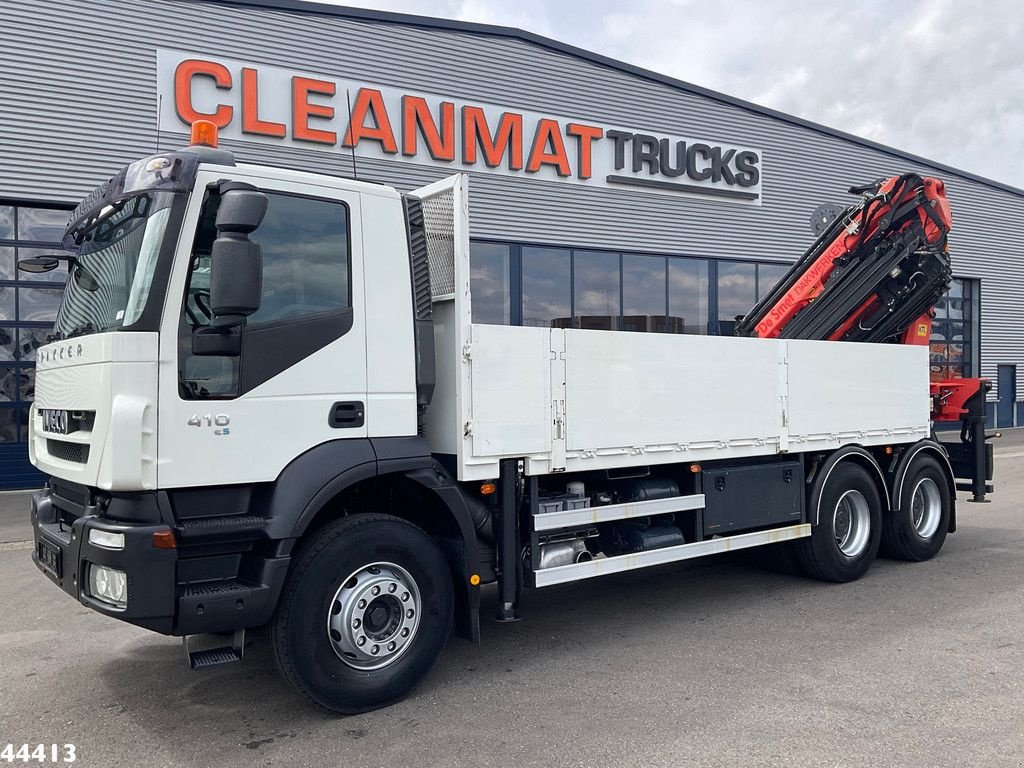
(365, 613)
(845, 541)
(918, 529)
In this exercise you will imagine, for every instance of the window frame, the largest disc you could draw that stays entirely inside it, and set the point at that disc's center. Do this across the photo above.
(19, 406)
(344, 315)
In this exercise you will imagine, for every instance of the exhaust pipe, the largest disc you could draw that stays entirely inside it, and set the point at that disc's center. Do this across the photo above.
(562, 553)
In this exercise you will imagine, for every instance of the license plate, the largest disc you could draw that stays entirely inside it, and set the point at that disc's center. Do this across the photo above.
(54, 420)
(49, 557)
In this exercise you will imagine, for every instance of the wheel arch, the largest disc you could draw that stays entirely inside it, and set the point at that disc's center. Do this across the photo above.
(926, 447)
(853, 454)
(397, 476)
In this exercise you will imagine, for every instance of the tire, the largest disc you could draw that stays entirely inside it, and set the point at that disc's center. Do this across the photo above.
(918, 529)
(845, 541)
(330, 589)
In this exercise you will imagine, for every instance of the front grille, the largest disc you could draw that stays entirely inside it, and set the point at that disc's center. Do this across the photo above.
(81, 421)
(65, 451)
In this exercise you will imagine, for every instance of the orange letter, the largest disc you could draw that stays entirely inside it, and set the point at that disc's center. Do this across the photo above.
(302, 110)
(183, 75)
(370, 101)
(586, 134)
(548, 132)
(251, 122)
(509, 138)
(416, 113)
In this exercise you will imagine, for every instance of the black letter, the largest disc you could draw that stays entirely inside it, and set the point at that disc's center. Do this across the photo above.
(720, 165)
(746, 164)
(620, 138)
(666, 165)
(645, 150)
(691, 162)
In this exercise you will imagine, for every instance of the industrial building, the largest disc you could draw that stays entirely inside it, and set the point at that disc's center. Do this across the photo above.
(604, 195)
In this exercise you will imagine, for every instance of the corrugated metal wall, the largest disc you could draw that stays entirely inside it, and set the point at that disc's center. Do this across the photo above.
(77, 99)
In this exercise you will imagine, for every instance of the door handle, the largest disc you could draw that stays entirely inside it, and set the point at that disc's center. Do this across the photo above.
(347, 415)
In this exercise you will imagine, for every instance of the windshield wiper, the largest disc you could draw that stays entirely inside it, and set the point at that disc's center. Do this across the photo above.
(81, 330)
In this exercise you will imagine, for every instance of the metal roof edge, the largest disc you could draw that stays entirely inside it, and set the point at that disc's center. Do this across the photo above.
(493, 30)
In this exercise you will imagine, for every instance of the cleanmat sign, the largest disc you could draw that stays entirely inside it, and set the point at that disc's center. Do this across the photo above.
(257, 102)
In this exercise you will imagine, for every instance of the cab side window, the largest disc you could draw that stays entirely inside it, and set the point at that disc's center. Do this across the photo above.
(307, 295)
(305, 258)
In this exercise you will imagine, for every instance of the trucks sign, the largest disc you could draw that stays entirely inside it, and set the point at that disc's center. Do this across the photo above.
(261, 103)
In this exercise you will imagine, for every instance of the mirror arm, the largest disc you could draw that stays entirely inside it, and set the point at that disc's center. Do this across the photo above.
(223, 342)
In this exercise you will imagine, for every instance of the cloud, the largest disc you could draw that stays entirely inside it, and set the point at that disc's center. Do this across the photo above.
(938, 78)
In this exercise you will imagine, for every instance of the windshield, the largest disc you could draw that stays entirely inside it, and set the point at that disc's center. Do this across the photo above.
(110, 280)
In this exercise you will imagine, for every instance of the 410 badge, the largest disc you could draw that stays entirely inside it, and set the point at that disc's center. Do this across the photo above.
(219, 422)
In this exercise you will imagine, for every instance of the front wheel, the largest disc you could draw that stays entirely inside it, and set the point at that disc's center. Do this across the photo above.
(365, 613)
(844, 543)
(918, 529)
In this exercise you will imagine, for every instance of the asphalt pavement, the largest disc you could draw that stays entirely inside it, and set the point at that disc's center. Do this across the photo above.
(713, 663)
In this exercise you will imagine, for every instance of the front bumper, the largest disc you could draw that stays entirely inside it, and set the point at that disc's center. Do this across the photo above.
(180, 591)
(150, 571)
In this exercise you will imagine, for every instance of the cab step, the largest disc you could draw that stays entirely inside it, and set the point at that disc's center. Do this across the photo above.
(214, 655)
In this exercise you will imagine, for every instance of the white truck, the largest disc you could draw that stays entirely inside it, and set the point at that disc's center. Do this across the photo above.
(266, 403)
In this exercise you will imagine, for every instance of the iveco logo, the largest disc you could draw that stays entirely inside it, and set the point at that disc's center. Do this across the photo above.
(54, 420)
(63, 352)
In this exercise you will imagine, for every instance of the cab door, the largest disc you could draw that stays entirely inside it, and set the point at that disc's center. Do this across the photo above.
(300, 376)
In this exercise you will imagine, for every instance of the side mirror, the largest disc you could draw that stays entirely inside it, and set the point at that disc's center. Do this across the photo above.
(39, 264)
(236, 263)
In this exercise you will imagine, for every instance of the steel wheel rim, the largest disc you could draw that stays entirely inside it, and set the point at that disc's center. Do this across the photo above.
(374, 615)
(926, 508)
(851, 523)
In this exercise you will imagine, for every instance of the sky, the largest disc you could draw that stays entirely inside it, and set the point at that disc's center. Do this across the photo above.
(943, 79)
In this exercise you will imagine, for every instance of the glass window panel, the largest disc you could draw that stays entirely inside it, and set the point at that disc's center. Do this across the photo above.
(8, 425)
(737, 293)
(956, 309)
(27, 383)
(546, 287)
(38, 304)
(8, 342)
(305, 258)
(7, 268)
(7, 303)
(957, 331)
(58, 275)
(42, 224)
(957, 358)
(596, 286)
(767, 276)
(8, 383)
(489, 283)
(643, 293)
(6, 222)
(687, 296)
(956, 289)
(29, 340)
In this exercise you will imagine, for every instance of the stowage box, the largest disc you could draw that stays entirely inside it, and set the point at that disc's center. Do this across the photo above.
(743, 498)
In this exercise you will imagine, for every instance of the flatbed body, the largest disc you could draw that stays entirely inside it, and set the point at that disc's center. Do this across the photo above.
(575, 400)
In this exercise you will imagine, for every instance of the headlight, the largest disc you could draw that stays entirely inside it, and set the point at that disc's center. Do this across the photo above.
(109, 585)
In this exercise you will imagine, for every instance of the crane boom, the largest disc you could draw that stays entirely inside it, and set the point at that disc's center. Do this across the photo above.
(875, 270)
